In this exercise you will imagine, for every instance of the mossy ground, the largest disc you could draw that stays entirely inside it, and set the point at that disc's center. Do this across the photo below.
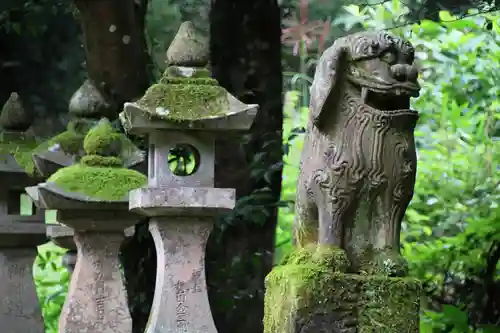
(307, 282)
(176, 101)
(20, 147)
(98, 182)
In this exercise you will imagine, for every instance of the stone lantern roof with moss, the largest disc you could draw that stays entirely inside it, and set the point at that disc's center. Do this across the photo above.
(98, 181)
(67, 148)
(187, 97)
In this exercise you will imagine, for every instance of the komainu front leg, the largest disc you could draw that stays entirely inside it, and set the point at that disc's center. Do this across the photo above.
(387, 259)
(306, 222)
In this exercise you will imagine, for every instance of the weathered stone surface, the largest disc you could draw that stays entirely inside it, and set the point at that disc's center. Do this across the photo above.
(97, 220)
(48, 162)
(69, 260)
(240, 116)
(182, 201)
(189, 48)
(14, 117)
(97, 300)
(22, 235)
(61, 236)
(181, 301)
(305, 295)
(161, 145)
(19, 309)
(358, 163)
(50, 196)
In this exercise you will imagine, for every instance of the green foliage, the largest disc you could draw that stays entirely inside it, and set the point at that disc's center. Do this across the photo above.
(51, 281)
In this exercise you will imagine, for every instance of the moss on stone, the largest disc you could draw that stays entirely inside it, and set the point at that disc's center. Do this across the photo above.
(185, 101)
(307, 285)
(101, 183)
(102, 140)
(20, 146)
(105, 161)
(69, 141)
(181, 80)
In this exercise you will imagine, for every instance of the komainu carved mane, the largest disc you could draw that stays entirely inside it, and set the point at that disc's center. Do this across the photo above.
(358, 163)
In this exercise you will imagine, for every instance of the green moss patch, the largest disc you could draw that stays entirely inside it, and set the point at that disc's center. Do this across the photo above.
(101, 183)
(307, 285)
(103, 140)
(20, 147)
(180, 80)
(71, 141)
(106, 161)
(185, 101)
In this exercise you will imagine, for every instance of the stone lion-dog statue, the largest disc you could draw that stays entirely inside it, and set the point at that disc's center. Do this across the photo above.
(358, 164)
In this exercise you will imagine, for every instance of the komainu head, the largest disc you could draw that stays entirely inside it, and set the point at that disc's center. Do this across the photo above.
(377, 65)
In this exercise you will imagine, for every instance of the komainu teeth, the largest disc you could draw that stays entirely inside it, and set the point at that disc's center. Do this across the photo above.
(364, 94)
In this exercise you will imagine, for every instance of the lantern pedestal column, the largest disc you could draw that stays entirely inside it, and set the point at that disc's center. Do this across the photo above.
(181, 222)
(97, 299)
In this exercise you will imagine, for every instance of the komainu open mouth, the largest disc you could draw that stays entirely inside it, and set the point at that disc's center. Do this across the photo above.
(385, 101)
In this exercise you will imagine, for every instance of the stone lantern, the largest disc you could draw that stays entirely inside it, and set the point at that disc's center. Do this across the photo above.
(87, 106)
(183, 115)
(21, 231)
(91, 198)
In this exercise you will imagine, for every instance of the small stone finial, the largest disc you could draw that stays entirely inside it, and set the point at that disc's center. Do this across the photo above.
(189, 48)
(88, 102)
(14, 116)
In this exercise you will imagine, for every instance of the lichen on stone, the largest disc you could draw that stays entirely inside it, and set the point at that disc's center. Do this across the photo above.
(307, 284)
(100, 174)
(180, 102)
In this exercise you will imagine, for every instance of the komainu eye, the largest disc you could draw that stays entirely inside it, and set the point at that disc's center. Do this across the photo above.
(390, 57)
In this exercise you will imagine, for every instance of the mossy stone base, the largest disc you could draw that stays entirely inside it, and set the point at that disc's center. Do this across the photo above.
(308, 295)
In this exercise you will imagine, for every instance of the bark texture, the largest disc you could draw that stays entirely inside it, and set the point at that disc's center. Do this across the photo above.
(115, 47)
(246, 59)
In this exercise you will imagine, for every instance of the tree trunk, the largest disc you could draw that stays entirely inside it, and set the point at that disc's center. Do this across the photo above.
(246, 59)
(115, 48)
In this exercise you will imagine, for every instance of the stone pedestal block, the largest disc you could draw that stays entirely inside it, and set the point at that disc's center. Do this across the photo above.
(97, 300)
(307, 295)
(181, 300)
(19, 308)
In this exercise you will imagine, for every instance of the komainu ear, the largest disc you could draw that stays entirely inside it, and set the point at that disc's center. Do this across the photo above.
(327, 81)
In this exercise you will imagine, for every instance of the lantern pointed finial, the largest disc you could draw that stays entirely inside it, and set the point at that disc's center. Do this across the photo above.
(14, 116)
(189, 48)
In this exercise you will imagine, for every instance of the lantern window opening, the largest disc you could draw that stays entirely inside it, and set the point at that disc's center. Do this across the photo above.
(183, 160)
